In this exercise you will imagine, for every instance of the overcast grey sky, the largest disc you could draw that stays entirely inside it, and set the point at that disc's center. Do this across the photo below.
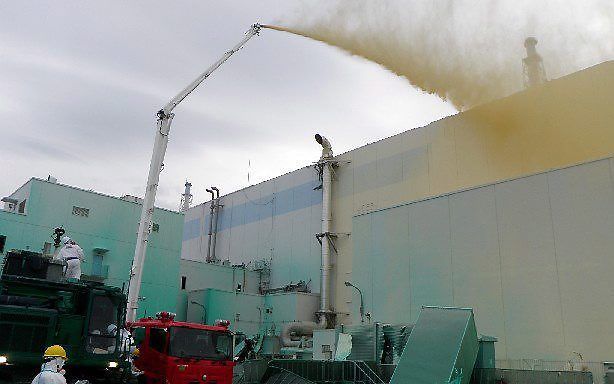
(81, 82)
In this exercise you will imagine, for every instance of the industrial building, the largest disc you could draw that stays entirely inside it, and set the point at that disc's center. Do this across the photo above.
(105, 227)
(507, 208)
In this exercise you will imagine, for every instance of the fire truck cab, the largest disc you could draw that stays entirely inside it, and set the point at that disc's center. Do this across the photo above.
(177, 352)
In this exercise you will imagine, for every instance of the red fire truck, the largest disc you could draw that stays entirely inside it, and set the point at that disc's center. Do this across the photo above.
(175, 352)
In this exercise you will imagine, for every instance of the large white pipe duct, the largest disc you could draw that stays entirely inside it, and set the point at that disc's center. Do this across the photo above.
(296, 330)
(325, 163)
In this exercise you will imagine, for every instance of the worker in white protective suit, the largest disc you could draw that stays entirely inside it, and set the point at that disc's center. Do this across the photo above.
(52, 371)
(125, 338)
(72, 254)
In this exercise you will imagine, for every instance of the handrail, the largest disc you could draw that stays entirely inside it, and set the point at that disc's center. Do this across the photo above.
(290, 372)
(377, 379)
(353, 370)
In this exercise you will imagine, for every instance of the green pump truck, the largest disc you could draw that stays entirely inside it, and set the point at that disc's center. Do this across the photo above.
(39, 308)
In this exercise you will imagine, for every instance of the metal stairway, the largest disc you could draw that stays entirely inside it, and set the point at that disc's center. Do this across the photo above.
(442, 348)
(283, 376)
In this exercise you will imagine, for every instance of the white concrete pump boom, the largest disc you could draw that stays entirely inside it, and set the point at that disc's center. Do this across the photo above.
(165, 116)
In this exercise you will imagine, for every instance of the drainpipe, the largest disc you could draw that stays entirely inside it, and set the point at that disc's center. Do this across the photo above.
(211, 210)
(217, 214)
(325, 163)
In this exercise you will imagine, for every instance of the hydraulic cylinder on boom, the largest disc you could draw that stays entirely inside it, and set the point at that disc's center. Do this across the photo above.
(163, 126)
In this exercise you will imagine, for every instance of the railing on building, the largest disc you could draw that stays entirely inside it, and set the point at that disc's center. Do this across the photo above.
(574, 366)
(326, 372)
(524, 376)
(360, 372)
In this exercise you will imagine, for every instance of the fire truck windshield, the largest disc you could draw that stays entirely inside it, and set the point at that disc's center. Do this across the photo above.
(200, 343)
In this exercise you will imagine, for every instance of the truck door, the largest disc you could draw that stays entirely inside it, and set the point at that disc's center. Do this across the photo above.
(156, 352)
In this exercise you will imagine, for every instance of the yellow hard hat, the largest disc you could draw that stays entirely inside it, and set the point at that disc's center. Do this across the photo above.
(136, 352)
(55, 351)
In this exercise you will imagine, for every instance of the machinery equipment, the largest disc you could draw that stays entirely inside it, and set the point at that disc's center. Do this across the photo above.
(176, 352)
(165, 116)
(38, 308)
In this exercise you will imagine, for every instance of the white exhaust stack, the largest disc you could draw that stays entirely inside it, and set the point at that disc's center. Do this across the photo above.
(533, 64)
(325, 163)
(186, 197)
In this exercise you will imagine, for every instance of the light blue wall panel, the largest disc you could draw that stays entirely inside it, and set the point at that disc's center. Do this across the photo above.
(365, 170)
(240, 308)
(531, 294)
(430, 269)
(476, 260)
(390, 266)
(532, 256)
(362, 274)
(582, 200)
(237, 231)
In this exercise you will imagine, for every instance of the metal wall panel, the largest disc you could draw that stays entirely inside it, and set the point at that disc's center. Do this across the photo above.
(530, 283)
(389, 171)
(390, 266)
(362, 275)
(430, 268)
(582, 200)
(476, 260)
(532, 256)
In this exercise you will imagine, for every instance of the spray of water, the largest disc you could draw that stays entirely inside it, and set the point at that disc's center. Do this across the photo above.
(465, 51)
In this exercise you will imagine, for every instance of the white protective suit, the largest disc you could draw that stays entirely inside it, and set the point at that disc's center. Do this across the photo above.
(51, 372)
(72, 254)
(125, 338)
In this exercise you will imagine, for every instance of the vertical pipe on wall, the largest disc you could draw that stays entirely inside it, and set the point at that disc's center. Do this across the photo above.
(326, 167)
(217, 214)
(211, 211)
(326, 221)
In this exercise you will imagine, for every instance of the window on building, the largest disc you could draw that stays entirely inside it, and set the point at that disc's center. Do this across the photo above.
(155, 227)
(22, 207)
(183, 281)
(2, 243)
(80, 211)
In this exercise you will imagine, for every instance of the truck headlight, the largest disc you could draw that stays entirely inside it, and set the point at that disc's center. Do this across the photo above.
(113, 364)
(3, 359)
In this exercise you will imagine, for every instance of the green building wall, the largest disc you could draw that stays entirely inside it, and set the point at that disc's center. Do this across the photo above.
(110, 228)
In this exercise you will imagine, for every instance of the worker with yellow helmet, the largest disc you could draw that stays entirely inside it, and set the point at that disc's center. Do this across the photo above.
(51, 370)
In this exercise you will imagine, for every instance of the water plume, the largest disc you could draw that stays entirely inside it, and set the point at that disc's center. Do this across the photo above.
(465, 51)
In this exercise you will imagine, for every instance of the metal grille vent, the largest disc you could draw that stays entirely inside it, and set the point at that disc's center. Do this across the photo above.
(79, 211)
(20, 318)
(28, 335)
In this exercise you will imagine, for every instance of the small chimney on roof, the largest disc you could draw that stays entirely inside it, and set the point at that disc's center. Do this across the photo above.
(186, 197)
(533, 65)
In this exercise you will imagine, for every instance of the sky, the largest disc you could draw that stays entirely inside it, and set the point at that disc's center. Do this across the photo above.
(82, 81)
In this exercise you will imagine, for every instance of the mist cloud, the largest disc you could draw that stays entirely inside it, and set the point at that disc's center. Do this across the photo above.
(465, 51)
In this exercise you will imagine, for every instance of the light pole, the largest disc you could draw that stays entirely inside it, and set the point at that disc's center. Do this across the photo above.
(202, 306)
(362, 304)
